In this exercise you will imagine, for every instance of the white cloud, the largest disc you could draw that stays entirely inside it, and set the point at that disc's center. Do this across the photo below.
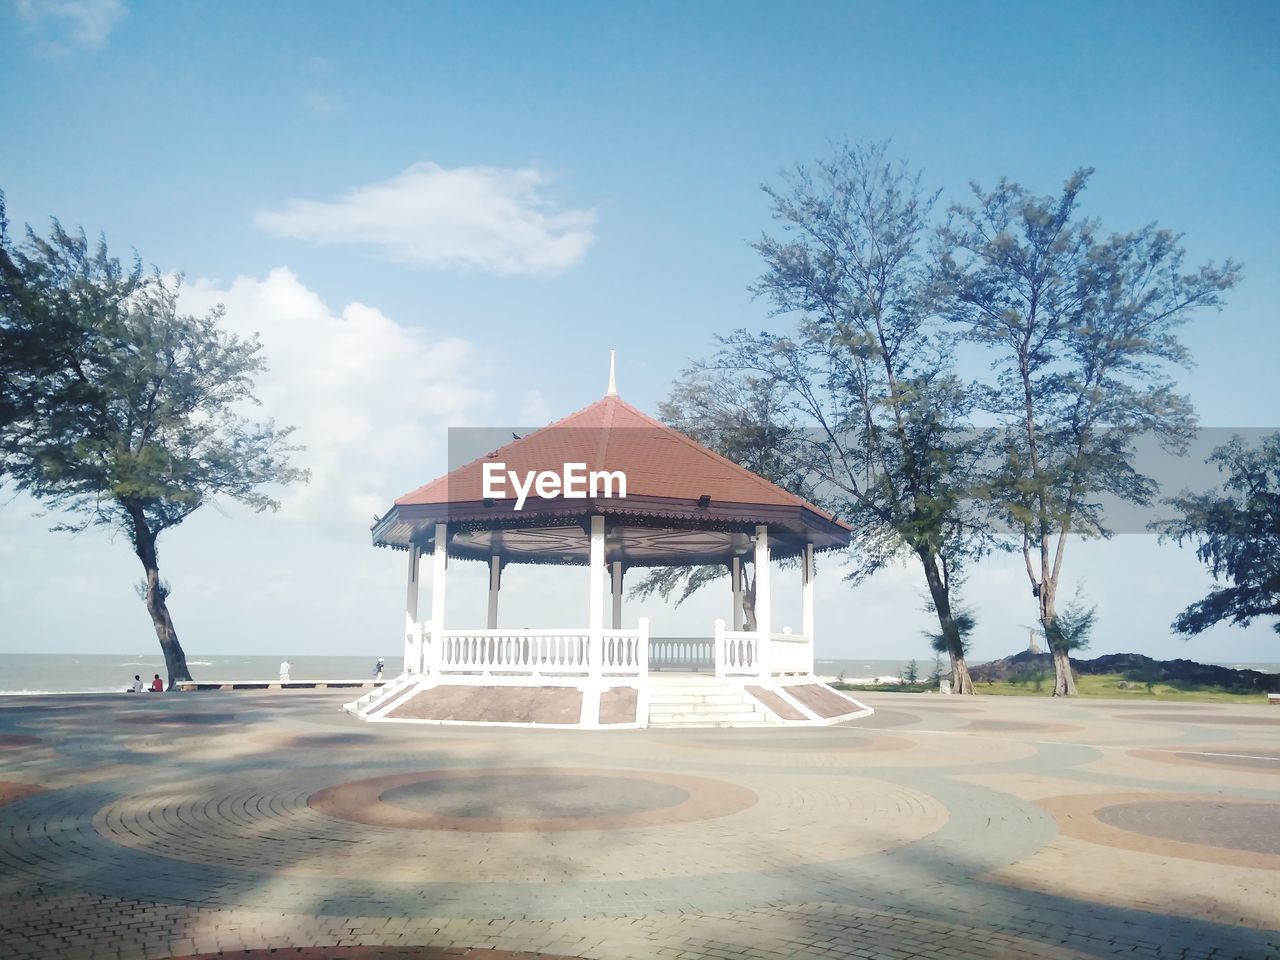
(484, 218)
(371, 399)
(65, 25)
(322, 103)
(534, 412)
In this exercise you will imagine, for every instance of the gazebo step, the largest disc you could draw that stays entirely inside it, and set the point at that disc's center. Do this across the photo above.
(720, 711)
(739, 719)
(710, 697)
(690, 701)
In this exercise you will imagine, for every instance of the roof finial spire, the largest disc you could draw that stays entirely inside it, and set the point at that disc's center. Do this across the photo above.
(613, 374)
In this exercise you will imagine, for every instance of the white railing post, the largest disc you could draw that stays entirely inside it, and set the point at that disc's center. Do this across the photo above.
(431, 649)
(720, 654)
(642, 654)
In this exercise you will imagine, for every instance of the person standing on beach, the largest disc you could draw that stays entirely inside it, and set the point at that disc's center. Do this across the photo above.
(285, 667)
(377, 669)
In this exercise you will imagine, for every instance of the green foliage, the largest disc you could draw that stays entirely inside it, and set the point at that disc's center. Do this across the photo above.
(965, 622)
(1070, 629)
(682, 582)
(861, 385)
(1083, 328)
(1148, 674)
(1236, 530)
(911, 674)
(118, 409)
(741, 418)
(126, 406)
(1083, 331)
(1030, 674)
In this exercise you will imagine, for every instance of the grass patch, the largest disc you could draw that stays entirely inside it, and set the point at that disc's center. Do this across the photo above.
(921, 687)
(1112, 686)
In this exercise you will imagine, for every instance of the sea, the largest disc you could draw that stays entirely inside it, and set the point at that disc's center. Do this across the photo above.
(37, 673)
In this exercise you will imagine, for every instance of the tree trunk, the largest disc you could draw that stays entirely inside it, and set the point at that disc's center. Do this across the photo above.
(748, 600)
(940, 592)
(144, 541)
(1064, 682)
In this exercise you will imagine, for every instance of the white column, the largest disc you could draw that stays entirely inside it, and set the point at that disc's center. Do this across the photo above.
(806, 595)
(412, 638)
(617, 594)
(738, 612)
(764, 625)
(806, 600)
(495, 584)
(595, 625)
(439, 564)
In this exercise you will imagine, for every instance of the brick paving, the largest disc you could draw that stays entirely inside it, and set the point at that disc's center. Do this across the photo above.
(242, 823)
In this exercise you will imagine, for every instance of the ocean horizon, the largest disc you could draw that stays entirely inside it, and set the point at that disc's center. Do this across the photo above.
(32, 674)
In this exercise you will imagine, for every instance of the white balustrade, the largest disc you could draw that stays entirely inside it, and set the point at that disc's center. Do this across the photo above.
(790, 653)
(737, 651)
(624, 652)
(536, 652)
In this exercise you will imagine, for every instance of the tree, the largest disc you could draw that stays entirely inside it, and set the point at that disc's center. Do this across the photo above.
(1083, 333)
(741, 417)
(911, 673)
(964, 621)
(1069, 630)
(121, 411)
(1237, 534)
(867, 371)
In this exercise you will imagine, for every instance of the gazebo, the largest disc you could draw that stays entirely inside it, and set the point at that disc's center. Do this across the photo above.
(608, 489)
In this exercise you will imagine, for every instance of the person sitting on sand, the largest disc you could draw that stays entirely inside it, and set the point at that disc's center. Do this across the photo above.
(157, 685)
(136, 686)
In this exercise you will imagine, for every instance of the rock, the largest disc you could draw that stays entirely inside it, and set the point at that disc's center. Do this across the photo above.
(1136, 666)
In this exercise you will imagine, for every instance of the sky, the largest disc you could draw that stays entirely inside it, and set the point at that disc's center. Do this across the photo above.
(443, 215)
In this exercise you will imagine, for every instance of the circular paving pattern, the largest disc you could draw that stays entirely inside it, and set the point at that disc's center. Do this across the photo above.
(1019, 726)
(808, 744)
(1186, 826)
(467, 825)
(11, 791)
(159, 718)
(532, 799)
(1227, 720)
(377, 953)
(1239, 756)
(1233, 826)
(509, 798)
(326, 741)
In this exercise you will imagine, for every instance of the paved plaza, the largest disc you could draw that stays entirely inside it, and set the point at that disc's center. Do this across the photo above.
(266, 824)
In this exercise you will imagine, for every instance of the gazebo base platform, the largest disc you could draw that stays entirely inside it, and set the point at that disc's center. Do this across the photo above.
(660, 700)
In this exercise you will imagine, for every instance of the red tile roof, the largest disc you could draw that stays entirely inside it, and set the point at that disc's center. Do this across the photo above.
(611, 434)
